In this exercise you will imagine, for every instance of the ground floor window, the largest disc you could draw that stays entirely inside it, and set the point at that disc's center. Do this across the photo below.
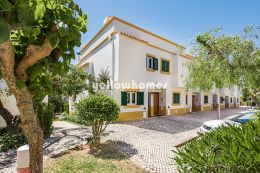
(132, 98)
(186, 99)
(206, 99)
(230, 99)
(176, 98)
(222, 99)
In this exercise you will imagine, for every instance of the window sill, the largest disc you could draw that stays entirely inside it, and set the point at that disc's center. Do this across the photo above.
(176, 104)
(163, 72)
(132, 106)
(150, 70)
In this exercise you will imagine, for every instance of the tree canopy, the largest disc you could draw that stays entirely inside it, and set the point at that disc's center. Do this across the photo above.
(37, 40)
(225, 60)
(56, 25)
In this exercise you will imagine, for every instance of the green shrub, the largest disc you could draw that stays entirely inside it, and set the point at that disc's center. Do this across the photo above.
(98, 111)
(10, 141)
(227, 149)
(66, 107)
(73, 119)
(45, 112)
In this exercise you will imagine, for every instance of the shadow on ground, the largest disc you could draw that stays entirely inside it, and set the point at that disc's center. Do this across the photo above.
(109, 150)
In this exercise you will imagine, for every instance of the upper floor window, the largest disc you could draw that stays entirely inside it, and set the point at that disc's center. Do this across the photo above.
(151, 62)
(165, 65)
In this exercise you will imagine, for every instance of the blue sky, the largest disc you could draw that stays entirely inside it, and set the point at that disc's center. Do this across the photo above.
(176, 20)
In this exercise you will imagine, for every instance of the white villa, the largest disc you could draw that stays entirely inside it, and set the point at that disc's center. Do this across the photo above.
(132, 53)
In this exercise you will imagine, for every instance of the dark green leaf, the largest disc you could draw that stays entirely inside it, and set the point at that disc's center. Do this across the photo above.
(54, 39)
(5, 5)
(4, 32)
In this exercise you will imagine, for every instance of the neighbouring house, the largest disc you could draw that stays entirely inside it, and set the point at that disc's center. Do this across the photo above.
(8, 101)
(133, 53)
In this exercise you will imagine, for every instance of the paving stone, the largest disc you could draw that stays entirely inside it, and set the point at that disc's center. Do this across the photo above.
(148, 143)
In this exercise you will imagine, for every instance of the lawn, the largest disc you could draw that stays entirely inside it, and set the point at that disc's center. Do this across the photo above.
(107, 160)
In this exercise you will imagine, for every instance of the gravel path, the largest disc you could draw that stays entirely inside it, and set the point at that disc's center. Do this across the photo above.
(177, 124)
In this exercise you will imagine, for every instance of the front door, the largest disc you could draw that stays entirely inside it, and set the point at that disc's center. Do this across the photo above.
(193, 103)
(153, 104)
(156, 103)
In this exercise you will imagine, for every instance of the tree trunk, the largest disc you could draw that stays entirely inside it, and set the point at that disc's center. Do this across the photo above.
(12, 74)
(31, 129)
(254, 96)
(96, 136)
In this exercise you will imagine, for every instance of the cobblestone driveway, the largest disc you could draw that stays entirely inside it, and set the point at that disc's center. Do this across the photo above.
(149, 147)
(181, 123)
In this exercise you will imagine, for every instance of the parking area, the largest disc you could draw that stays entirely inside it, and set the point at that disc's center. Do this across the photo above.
(181, 123)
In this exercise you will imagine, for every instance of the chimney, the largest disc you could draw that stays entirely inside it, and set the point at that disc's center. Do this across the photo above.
(107, 18)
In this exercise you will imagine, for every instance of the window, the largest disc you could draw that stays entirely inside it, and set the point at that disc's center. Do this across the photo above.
(132, 98)
(176, 98)
(237, 100)
(165, 66)
(230, 99)
(151, 62)
(186, 99)
(206, 99)
(222, 99)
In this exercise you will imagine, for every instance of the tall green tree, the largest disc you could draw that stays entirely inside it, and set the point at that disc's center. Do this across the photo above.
(37, 40)
(72, 83)
(225, 60)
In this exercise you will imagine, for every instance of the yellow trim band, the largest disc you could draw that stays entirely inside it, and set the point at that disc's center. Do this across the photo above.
(134, 26)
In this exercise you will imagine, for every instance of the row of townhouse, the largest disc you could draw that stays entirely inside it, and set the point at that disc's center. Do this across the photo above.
(131, 53)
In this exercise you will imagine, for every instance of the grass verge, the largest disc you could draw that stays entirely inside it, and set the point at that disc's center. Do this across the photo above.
(108, 160)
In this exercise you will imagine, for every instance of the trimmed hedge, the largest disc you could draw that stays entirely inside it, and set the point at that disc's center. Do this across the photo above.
(227, 149)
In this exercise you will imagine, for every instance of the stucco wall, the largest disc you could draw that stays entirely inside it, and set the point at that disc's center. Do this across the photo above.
(9, 101)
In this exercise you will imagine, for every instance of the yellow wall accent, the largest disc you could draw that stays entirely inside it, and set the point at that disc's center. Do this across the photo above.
(207, 107)
(129, 24)
(186, 56)
(222, 106)
(162, 110)
(196, 108)
(179, 111)
(126, 116)
(148, 32)
(151, 111)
